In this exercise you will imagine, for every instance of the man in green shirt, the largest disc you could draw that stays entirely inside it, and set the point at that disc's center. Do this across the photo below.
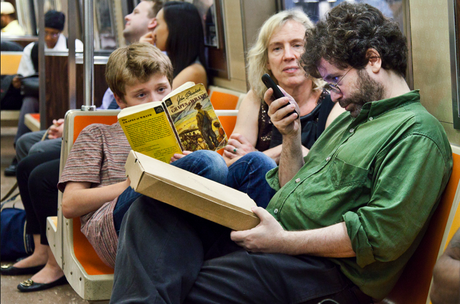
(344, 220)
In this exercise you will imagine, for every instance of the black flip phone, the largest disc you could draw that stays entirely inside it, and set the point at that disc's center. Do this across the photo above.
(269, 83)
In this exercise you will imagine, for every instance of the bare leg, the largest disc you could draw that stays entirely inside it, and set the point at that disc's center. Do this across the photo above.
(51, 272)
(38, 257)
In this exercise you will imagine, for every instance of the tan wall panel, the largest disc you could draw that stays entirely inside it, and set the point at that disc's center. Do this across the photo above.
(431, 60)
(235, 48)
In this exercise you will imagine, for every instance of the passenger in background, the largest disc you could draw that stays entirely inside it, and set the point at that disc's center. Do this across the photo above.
(446, 274)
(138, 23)
(94, 178)
(142, 20)
(277, 50)
(10, 26)
(28, 66)
(179, 32)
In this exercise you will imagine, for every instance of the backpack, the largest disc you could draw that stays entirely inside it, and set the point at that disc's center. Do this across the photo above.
(15, 243)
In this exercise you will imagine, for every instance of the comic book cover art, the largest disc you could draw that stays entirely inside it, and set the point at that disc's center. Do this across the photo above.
(197, 125)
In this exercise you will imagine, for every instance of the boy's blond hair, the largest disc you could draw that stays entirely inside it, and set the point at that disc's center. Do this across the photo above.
(135, 63)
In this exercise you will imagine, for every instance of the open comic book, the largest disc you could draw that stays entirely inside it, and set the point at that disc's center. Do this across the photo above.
(183, 120)
(190, 192)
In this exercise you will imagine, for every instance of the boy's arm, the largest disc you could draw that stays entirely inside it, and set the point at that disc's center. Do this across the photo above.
(79, 198)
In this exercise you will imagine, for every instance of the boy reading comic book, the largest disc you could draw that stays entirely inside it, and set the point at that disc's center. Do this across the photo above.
(183, 120)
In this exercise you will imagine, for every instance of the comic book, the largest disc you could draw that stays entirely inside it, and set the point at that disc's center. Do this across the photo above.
(183, 121)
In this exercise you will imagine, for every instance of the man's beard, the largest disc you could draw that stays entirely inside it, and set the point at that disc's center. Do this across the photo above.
(368, 90)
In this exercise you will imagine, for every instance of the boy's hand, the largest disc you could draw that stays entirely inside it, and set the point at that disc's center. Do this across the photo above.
(177, 156)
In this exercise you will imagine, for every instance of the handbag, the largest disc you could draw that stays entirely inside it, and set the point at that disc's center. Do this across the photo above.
(30, 86)
(15, 243)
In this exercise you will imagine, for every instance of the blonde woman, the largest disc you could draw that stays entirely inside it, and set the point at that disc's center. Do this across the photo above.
(255, 145)
(277, 51)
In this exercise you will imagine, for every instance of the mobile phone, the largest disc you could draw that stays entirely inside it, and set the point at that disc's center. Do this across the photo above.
(269, 83)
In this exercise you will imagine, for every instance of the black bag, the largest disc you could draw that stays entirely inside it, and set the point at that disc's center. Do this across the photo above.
(15, 243)
(30, 86)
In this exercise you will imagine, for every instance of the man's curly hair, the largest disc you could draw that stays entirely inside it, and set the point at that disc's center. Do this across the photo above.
(348, 32)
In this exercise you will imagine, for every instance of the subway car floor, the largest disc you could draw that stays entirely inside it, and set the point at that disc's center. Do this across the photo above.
(9, 293)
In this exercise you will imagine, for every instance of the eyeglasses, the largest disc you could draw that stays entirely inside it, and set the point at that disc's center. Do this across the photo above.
(52, 34)
(334, 87)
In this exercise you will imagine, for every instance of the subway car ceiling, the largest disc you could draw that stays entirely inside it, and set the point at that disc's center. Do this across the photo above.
(431, 27)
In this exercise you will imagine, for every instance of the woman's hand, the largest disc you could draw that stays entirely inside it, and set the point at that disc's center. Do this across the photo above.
(237, 146)
(178, 156)
(149, 38)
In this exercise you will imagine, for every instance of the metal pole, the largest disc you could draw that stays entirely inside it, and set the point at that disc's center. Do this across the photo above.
(72, 68)
(41, 64)
(88, 60)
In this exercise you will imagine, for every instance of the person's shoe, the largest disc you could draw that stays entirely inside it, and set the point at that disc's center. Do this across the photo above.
(11, 170)
(29, 285)
(11, 270)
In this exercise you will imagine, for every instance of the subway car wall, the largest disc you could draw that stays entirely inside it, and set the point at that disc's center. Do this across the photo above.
(431, 28)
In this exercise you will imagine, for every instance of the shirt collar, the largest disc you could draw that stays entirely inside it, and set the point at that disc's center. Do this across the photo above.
(376, 108)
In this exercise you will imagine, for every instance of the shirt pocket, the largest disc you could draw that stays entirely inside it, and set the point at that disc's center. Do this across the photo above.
(344, 174)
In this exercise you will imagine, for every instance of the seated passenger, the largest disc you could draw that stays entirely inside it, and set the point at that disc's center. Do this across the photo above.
(94, 177)
(28, 66)
(93, 180)
(446, 274)
(10, 26)
(179, 33)
(345, 219)
(277, 50)
(138, 23)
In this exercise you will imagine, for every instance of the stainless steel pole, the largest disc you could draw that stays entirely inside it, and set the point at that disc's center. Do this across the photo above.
(88, 60)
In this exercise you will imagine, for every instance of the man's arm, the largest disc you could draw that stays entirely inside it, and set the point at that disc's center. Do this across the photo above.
(291, 159)
(446, 274)
(269, 236)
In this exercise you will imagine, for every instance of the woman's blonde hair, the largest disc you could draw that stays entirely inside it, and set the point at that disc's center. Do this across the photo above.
(258, 54)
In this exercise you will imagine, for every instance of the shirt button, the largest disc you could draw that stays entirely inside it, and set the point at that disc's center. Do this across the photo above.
(275, 211)
(352, 131)
(328, 158)
(297, 180)
(371, 118)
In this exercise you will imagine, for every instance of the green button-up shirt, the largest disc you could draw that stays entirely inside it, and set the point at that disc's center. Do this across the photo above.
(382, 173)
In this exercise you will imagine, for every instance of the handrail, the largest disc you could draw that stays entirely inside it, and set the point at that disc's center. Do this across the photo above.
(88, 60)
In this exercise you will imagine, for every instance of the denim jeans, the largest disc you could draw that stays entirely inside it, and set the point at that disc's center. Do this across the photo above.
(204, 163)
(247, 174)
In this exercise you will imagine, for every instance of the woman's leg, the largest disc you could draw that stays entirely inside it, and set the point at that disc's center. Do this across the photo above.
(205, 163)
(42, 184)
(247, 174)
(37, 180)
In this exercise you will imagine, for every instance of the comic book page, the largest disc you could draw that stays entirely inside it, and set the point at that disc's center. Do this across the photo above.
(149, 131)
(197, 125)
